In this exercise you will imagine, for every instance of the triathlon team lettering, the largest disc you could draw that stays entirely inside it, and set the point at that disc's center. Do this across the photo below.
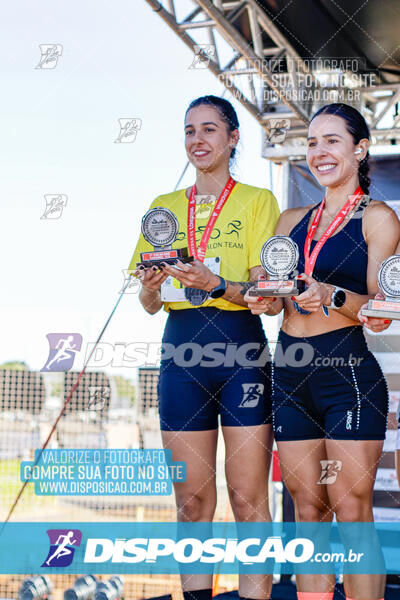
(233, 227)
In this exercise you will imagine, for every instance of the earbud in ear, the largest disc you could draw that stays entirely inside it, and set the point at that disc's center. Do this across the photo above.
(358, 151)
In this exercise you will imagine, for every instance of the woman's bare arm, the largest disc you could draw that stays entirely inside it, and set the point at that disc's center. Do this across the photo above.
(150, 293)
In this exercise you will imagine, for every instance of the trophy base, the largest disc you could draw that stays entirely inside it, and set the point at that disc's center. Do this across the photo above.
(382, 309)
(154, 258)
(380, 314)
(278, 288)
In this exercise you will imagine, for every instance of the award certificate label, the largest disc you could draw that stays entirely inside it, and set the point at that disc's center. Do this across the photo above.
(274, 284)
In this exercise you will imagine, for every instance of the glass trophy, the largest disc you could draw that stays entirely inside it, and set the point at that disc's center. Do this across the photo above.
(279, 257)
(160, 229)
(389, 284)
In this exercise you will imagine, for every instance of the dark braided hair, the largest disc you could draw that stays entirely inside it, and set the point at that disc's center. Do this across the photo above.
(225, 109)
(358, 128)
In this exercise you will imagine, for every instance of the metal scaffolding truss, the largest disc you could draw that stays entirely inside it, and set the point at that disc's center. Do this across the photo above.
(264, 72)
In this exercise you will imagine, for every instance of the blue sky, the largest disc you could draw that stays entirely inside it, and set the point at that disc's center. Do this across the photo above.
(58, 128)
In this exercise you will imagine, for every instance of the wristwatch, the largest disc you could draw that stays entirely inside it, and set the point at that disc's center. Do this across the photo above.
(338, 298)
(219, 290)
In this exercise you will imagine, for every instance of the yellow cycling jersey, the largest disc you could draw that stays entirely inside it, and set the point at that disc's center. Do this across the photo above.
(246, 221)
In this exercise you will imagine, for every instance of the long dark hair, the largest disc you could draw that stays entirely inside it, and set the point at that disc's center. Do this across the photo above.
(358, 128)
(225, 109)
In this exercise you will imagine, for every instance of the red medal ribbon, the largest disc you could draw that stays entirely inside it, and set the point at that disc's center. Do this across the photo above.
(200, 252)
(309, 261)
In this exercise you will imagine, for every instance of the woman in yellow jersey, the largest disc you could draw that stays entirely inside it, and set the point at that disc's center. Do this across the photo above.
(215, 360)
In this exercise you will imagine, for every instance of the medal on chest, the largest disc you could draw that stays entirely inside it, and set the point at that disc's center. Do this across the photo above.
(310, 258)
(195, 296)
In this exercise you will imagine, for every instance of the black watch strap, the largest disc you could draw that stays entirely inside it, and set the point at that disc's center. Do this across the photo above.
(219, 290)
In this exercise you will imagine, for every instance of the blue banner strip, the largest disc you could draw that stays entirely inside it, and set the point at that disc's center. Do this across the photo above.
(164, 548)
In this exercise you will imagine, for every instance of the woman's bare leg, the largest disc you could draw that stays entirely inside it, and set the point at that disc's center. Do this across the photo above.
(196, 497)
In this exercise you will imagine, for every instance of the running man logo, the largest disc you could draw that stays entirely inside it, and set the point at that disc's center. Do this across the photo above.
(131, 284)
(55, 204)
(329, 471)
(278, 129)
(364, 201)
(252, 393)
(63, 543)
(128, 129)
(203, 53)
(204, 205)
(98, 397)
(63, 347)
(50, 54)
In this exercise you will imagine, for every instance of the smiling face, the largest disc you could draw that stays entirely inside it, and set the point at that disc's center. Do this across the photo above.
(208, 141)
(330, 151)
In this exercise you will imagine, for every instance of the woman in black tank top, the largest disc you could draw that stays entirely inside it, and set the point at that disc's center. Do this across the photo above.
(330, 402)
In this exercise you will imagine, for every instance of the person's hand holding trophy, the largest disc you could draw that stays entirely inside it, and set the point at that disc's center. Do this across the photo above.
(160, 229)
(279, 257)
(389, 284)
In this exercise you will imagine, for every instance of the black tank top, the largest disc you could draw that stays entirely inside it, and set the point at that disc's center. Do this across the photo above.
(343, 259)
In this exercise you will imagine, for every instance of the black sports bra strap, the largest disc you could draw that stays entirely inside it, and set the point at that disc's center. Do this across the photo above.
(309, 213)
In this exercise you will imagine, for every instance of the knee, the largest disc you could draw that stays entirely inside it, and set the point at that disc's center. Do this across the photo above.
(353, 509)
(309, 513)
(309, 509)
(195, 507)
(248, 507)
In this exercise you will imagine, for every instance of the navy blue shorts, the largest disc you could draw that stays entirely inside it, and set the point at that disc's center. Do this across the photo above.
(214, 362)
(328, 386)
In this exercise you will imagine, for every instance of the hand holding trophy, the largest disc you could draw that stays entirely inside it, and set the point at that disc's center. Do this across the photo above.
(279, 257)
(160, 228)
(389, 284)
